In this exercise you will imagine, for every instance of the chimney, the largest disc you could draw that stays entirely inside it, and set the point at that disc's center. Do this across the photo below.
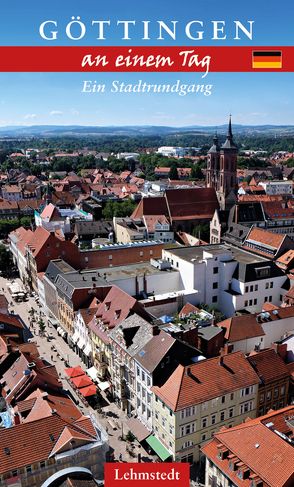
(281, 350)
(16, 418)
(221, 360)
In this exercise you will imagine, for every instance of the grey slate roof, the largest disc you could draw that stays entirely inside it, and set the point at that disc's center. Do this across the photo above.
(57, 266)
(132, 334)
(68, 283)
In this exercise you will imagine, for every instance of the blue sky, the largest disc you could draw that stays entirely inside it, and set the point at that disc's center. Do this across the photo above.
(56, 98)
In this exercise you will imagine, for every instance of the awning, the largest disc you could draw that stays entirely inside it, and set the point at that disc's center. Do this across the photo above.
(59, 330)
(92, 372)
(75, 337)
(81, 343)
(138, 429)
(158, 447)
(88, 391)
(82, 381)
(63, 333)
(104, 385)
(87, 349)
(74, 371)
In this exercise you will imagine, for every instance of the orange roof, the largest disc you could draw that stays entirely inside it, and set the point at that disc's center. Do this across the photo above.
(187, 309)
(22, 446)
(287, 258)
(265, 237)
(50, 213)
(205, 380)
(241, 327)
(152, 220)
(268, 365)
(264, 452)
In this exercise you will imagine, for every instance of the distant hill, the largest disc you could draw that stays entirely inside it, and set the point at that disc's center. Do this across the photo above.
(137, 131)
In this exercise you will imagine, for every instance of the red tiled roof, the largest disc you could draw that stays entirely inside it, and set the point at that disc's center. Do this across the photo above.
(28, 443)
(13, 320)
(286, 259)
(187, 309)
(265, 237)
(267, 455)
(152, 220)
(51, 213)
(191, 203)
(268, 365)
(151, 206)
(205, 380)
(241, 328)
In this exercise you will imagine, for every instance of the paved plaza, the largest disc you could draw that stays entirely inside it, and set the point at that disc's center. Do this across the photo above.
(64, 354)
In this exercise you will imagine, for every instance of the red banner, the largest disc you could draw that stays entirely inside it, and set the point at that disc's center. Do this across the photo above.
(139, 59)
(147, 474)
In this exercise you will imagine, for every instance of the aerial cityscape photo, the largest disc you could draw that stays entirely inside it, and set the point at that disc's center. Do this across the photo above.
(147, 249)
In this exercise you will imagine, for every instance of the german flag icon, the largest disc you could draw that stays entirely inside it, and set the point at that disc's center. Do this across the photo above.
(267, 59)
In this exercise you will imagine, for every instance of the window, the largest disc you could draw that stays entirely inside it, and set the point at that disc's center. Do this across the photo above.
(246, 303)
(251, 289)
(276, 392)
(232, 396)
(13, 473)
(271, 284)
(138, 371)
(143, 376)
(204, 423)
(42, 464)
(204, 406)
(282, 391)
(256, 287)
(266, 285)
(222, 416)
(245, 407)
(261, 399)
(246, 289)
(213, 419)
(215, 285)
(138, 388)
(171, 429)
(223, 399)
(270, 298)
(28, 468)
(156, 415)
(268, 395)
(110, 257)
(203, 437)
(148, 381)
(255, 301)
(215, 270)
(231, 412)
(214, 299)
(247, 390)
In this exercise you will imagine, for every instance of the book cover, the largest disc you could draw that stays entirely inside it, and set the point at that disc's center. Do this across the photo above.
(134, 74)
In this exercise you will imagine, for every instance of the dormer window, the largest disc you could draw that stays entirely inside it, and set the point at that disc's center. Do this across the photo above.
(107, 306)
(117, 314)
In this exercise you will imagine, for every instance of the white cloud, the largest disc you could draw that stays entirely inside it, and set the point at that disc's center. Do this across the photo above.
(55, 113)
(30, 116)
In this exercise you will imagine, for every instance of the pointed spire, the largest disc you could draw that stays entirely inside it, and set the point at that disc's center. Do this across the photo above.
(230, 133)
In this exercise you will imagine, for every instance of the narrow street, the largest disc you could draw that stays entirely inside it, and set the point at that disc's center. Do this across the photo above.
(58, 358)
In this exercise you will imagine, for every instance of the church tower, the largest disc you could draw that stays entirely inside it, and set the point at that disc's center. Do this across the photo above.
(222, 169)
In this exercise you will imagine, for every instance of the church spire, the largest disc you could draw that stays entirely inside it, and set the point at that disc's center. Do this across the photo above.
(229, 143)
(230, 133)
